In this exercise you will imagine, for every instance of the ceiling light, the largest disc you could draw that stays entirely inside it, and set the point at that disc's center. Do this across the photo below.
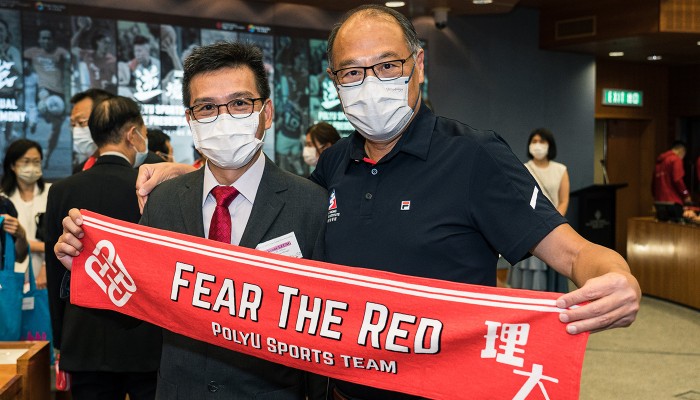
(395, 4)
(654, 57)
(482, 1)
(616, 53)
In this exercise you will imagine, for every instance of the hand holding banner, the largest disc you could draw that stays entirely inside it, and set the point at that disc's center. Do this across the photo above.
(419, 336)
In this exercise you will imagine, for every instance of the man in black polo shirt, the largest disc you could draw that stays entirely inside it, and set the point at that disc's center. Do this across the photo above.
(418, 194)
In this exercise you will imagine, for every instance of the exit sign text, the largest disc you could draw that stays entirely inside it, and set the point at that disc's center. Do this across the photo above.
(616, 97)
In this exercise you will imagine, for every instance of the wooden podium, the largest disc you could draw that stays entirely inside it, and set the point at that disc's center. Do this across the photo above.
(24, 371)
(594, 210)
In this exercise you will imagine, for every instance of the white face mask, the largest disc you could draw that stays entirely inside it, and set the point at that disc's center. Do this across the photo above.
(83, 145)
(539, 150)
(378, 110)
(310, 156)
(228, 142)
(140, 156)
(29, 173)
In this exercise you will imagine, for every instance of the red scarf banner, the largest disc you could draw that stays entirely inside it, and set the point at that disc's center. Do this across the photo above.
(425, 337)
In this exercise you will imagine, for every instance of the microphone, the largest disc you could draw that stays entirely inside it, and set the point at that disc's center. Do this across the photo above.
(605, 172)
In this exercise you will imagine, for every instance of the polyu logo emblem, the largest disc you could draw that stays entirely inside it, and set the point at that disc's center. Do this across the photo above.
(333, 212)
(109, 269)
(332, 203)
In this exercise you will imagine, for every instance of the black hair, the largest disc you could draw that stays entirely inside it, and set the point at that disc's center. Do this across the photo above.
(156, 140)
(548, 137)
(139, 39)
(220, 55)
(96, 95)
(374, 10)
(110, 116)
(96, 38)
(678, 144)
(323, 133)
(15, 151)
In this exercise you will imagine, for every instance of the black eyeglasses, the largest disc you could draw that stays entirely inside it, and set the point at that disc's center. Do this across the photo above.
(237, 108)
(384, 71)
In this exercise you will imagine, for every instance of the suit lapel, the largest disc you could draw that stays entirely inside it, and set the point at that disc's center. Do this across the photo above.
(269, 201)
(190, 197)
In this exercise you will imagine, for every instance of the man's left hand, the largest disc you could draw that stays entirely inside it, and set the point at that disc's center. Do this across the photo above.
(613, 302)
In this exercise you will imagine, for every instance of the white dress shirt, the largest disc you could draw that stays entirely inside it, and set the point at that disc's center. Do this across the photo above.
(240, 208)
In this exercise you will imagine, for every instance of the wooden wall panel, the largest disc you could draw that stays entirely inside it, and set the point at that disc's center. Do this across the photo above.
(651, 79)
(634, 145)
(628, 162)
(614, 18)
(684, 89)
(680, 16)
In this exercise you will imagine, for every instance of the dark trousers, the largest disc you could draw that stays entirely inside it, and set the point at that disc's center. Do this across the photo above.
(113, 385)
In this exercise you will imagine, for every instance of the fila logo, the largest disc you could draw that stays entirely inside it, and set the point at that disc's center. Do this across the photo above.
(107, 269)
(405, 205)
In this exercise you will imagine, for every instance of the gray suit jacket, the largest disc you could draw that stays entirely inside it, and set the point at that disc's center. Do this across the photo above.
(191, 369)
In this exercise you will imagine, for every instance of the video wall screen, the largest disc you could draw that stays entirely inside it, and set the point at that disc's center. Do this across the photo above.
(51, 51)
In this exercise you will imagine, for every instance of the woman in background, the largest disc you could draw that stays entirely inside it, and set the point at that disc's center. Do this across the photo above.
(553, 179)
(22, 182)
(159, 143)
(319, 137)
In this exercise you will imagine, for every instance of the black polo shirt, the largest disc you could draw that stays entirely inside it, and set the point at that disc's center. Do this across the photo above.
(442, 204)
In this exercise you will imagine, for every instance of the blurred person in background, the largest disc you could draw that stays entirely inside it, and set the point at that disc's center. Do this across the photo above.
(51, 64)
(668, 185)
(107, 354)
(553, 179)
(319, 137)
(159, 144)
(84, 148)
(13, 84)
(23, 184)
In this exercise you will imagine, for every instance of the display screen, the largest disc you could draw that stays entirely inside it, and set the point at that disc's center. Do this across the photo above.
(51, 51)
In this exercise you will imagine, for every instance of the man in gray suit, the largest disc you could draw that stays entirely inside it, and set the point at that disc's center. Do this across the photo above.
(241, 197)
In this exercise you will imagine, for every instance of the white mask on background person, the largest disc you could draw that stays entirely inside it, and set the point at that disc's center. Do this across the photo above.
(539, 150)
(140, 156)
(310, 155)
(83, 145)
(228, 142)
(29, 173)
(377, 109)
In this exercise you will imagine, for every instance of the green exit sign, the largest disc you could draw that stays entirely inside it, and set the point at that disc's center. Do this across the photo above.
(616, 97)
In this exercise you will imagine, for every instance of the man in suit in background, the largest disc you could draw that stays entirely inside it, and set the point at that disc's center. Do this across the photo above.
(84, 148)
(239, 197)
(108, 354)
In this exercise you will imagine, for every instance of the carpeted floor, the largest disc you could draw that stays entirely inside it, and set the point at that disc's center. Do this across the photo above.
(657, 358)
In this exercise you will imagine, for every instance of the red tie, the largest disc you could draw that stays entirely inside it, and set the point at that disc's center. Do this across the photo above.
(89, 163)
(220, 228)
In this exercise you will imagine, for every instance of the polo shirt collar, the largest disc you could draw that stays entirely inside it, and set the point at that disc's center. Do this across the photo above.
(415, 140)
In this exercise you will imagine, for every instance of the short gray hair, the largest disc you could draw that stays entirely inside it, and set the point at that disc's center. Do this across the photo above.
(375, 10)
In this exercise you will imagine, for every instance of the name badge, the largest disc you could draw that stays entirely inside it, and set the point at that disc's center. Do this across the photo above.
(285, 245)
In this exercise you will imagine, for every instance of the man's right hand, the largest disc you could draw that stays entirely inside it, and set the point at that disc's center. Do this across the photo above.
(151, 175)
(69, 244)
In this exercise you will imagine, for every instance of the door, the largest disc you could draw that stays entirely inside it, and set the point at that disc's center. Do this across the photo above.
(630, 160)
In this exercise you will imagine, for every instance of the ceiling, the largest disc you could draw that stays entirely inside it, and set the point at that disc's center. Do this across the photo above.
(676, 48)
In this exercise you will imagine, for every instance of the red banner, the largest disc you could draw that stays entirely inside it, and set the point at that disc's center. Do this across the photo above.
(420, 336)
